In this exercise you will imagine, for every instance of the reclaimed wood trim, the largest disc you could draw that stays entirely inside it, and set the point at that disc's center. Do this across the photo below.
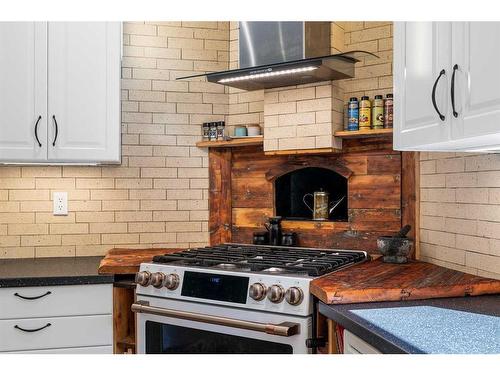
(345, 134)
(220, 203)
(332, 337)
(304, 151)
(124, 327)
(294, 164)
(127, 261)
(234, 142)
(409, 193)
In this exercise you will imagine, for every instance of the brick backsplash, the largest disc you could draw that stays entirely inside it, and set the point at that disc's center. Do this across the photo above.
(460, 211)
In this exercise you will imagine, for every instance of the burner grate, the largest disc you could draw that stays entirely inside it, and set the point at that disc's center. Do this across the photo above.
(269, 259)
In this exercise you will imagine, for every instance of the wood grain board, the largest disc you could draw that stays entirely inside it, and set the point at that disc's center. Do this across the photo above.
(234, 142)
(376, 281)
(364, 133)
(127, 261)
(242, 193)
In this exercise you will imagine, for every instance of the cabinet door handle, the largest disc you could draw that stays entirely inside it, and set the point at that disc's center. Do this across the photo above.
(36, 131)
(32, 330)
(32, 298)
(441, 73)
(57, 130)
(455, 68)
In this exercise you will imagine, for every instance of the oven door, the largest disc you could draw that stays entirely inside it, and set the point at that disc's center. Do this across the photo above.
(171, 326)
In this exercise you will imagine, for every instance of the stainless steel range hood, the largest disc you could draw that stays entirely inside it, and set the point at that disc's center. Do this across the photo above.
(278, 54)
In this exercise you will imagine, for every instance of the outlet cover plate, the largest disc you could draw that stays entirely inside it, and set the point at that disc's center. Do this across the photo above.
(60, 200)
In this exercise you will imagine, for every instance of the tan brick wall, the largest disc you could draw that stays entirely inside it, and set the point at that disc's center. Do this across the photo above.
(159, 195)
(460, 211)
(303, 117)
(372, 76)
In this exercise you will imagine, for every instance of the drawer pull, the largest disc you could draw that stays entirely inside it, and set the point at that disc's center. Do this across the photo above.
(32, 330)
(32, 298)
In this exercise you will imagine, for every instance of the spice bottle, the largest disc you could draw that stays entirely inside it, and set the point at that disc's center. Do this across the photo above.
(365, 112)
(213, 131)
(220, 130)
(388, 110)
(378, 112)
(206, 131)
(353, 114)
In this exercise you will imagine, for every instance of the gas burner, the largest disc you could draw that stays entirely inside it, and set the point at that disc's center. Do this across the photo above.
(265, 259)
(274, 270)
(226, 266)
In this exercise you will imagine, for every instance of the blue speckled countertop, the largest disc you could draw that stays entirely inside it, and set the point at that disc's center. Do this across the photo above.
(468, 325)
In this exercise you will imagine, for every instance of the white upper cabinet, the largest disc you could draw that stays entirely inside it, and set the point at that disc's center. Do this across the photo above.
(84, 91)
(68, 75)
(467, 94)
(23, 91)
(421, 82)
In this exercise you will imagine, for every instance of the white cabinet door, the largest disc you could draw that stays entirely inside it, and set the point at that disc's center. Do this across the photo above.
(23, 91)
(477, 81)
(421, 51)
(84, 91)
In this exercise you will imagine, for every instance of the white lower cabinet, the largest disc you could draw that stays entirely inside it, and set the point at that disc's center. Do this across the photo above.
(57, 319)
(354, 345)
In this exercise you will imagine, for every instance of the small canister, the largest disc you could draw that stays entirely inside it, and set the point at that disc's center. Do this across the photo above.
(206, 131)
(365, 112)
(388, 110)
(378, 112)
(221, 126)
(213, 131)
(353, 114)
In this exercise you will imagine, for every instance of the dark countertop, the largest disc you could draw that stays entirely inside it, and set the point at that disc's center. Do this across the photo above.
(465, 325)
(51, 271)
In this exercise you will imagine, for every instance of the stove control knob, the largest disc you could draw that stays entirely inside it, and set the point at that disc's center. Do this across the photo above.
(276, 293)
(157, 279)
(143, 278)
(257, 291)
(172, 281)
(294, 296)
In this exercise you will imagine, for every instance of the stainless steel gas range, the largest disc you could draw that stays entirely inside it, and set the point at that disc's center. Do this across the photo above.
(232, 298)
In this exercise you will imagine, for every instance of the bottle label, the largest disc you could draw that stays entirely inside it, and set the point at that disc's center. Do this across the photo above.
(352, 119)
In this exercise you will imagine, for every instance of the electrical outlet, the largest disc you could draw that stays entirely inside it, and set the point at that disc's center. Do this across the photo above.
(60, 203)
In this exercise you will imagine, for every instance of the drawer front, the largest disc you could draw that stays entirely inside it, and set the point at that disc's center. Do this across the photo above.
(354, 345)
(83, 350)
(63, 332)
(67, 300)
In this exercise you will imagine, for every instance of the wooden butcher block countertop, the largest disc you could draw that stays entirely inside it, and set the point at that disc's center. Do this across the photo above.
(127, 261)
(376, 281)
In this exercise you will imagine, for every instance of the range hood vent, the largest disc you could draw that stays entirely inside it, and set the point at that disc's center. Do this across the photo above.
(291, 73)
(279, 54)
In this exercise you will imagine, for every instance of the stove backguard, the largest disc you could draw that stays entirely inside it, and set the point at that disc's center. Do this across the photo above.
(290, 189)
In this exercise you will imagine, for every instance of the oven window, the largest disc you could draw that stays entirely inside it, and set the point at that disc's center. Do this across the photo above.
(167, 338)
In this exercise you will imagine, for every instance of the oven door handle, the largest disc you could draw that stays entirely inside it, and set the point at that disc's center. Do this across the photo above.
(281, 329)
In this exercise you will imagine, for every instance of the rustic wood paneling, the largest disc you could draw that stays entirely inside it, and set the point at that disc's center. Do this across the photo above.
(375, 194)
(220, 195)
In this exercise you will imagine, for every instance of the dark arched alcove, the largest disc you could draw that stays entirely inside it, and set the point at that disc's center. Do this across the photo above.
(290, 188)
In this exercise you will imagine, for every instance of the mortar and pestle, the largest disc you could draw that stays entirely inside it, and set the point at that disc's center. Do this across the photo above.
(395, 249)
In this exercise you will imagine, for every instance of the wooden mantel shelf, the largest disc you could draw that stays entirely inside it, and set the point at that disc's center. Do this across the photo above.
(235, 142)
(345, 134)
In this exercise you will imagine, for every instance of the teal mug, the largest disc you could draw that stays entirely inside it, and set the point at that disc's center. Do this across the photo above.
(240, 131)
